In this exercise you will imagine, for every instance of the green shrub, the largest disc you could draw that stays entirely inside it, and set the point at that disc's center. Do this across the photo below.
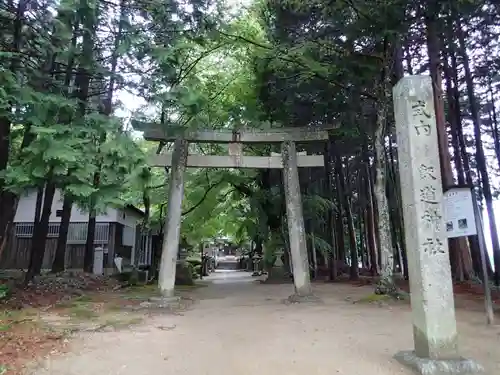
(4, 291)
(194, 261)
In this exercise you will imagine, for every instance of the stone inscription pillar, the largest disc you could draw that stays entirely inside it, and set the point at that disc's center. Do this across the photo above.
(295, 219)
(432, 301)
(170, 246)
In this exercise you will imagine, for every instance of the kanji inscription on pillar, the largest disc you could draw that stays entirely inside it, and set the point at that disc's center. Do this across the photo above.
(422, 199)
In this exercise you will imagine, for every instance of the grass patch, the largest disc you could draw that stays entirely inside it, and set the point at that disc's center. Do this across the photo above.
(77, 308)
(83, 298)
(181, 288)
(82, 312)
(123, 322)
(381, 298)
(74, 301)
(140, 292)
(9, 318)
(114, 306)
(16, 315)
(371, 298)
(144, 292)
(65, 304)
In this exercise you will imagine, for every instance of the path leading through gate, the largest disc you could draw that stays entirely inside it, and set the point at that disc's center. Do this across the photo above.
(240, 327)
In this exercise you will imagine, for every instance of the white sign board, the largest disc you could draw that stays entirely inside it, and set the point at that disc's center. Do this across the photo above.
(98, 267)
(459, 219)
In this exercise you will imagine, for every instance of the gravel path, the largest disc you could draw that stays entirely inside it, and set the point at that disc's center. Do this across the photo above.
(238, 327)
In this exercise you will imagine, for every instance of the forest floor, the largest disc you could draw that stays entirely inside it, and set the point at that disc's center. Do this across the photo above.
(229, 324)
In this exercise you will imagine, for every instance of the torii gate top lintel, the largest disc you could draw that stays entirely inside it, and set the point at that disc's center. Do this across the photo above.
(236, 137)
(276, 135)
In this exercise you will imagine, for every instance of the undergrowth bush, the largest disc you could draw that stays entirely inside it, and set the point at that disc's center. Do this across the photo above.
(4, 291)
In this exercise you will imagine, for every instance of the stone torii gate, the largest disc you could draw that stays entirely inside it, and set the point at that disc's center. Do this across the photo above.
(289, 162)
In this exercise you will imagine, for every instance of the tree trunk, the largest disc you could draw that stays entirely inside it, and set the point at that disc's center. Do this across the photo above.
(397, 212)
(82, 82)
(38, 205)
(494, 120)
(473, 240)
(456, 245)
(108, 109)
(454, 119)
(329, 181)
(40, 232)
(363, 252)
(433, 44)
(346, 203)
(370, 215)
(386, 284)
(314, 257)
(88, 258)
(60, 258)
(339, 219)
(480, 157)
(9, 200)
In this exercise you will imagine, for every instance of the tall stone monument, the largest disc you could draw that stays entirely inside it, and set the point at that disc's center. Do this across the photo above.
(432, 302)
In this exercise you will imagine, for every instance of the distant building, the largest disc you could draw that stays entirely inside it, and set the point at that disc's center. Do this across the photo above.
(118, 232)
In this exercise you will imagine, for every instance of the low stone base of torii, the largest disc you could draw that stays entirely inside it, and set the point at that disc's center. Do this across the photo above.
(289, 161)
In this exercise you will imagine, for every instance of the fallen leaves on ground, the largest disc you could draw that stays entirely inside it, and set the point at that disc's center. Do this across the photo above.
(25, 336)
(23, 340)
(469, 295)
(48, 289)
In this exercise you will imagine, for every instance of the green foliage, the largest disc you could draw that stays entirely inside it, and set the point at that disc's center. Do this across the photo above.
(51, 138)
(320, 244)
(272, 246)
(4, 291)
(194, 261)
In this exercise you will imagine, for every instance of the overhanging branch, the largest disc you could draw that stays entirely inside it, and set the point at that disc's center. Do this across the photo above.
(296, 62)
(203, 198)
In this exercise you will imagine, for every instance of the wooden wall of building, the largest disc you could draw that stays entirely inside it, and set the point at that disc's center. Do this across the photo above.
(16, 254)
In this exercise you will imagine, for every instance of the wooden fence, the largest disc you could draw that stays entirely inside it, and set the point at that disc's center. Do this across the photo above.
(17, 254)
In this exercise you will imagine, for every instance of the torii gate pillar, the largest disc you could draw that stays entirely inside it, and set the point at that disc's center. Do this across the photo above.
(166, 278)
(295, 219)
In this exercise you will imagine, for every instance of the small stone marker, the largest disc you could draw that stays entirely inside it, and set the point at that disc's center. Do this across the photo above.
(432, 301)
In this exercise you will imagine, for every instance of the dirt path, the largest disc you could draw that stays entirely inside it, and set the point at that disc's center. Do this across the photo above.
(239, 328)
